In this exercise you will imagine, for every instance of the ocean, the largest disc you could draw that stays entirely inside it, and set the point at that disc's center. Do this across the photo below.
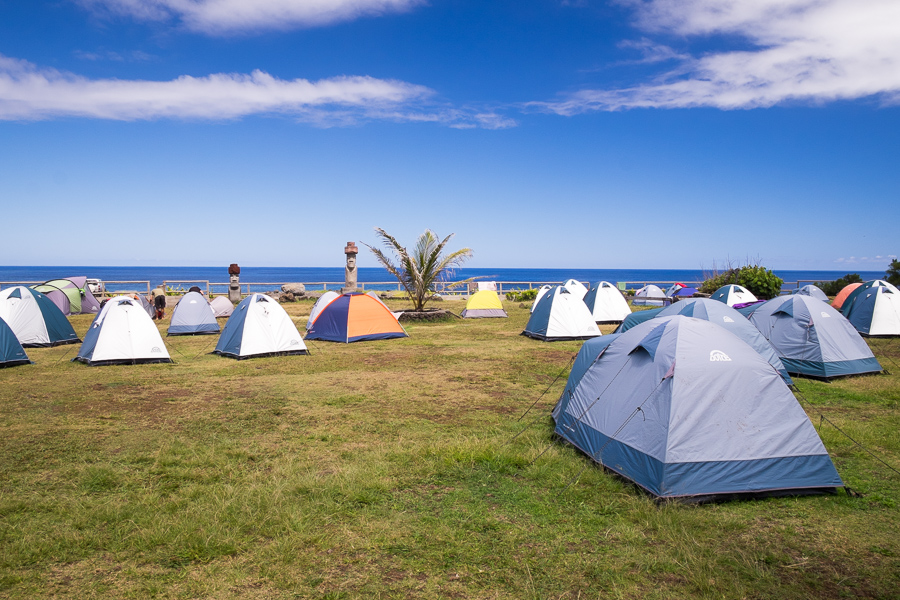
(374, 277)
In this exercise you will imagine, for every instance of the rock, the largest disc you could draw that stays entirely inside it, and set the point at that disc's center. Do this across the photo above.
(430, 315)
(522, 305)
(286, 297)
(297, 289)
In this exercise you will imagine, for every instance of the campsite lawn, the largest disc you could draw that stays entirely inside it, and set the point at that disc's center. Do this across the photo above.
(391, 469)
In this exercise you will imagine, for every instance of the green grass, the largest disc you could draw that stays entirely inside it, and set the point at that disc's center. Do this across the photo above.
(386, 470)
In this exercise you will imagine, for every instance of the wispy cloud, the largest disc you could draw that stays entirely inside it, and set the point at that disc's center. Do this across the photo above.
(28, 92)
(651, 52)
(854, 260)
(801, 50)
(109, 55)
(223, 17)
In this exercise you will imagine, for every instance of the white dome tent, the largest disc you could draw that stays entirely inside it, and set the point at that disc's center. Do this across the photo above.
(122, 333)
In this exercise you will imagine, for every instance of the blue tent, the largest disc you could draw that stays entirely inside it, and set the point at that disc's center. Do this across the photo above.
(725, 316)
(687, 410)
(679, 290)
(874, 309)
(813, 339)
(814, 291)
(11, 351)
(193, 316)
(561, 315)
(34, 318)
(259, 327)
(733, 294)
(636, 318)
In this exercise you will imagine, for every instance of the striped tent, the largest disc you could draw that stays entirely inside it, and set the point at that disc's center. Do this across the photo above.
(355, 317)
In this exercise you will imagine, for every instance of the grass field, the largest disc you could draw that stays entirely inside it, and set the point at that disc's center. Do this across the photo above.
(389, 470)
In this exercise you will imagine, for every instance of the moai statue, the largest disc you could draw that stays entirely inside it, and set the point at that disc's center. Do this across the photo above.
(234, 285)
(350, 270)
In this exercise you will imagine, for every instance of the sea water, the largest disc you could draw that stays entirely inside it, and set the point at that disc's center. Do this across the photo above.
(317, 278)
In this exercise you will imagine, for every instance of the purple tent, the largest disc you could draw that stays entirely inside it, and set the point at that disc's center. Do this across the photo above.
(71, 295)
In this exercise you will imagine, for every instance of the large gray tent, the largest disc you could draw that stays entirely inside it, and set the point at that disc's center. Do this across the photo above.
(812, 338)
(725, 316)
(685, 409)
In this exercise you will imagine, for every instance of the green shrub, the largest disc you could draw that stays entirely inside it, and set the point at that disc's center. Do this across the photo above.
(833, 288)
(717, 280)
(762, 282)
(522, 295)
(892, 275)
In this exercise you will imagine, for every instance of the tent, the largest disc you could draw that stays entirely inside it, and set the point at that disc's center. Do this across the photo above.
(842, 295)
(221, 306)
(814, 291)
(323, 301)
(193, 316)
(259, 326)
(686, 410)
(606, 303)
(812, 338)
(11, 351)
(355, 317)
(375, 297)
(733, 294)
(71, 295)
(637, 317)
(540, 294)
(576, 288)
(874, 309)
(725, 316)
(560, 315)
(679, 290)
(649, 295)
(122, 333)
(483, 304)
(34, 318)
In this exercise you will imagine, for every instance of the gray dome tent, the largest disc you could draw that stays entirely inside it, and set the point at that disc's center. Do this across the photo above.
(812, 338)
(193, 316)
(685, 409)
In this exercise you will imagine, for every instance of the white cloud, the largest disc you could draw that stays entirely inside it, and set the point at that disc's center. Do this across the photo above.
(31, 93)
(800, 50)
(219, 17)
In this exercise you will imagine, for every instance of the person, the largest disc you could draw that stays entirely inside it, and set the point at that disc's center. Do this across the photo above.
(159, 301)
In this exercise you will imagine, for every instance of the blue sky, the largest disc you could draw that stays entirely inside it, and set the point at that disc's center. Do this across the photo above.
(543, 133)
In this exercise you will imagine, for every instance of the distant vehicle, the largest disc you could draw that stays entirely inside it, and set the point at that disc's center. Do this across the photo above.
(96, 286)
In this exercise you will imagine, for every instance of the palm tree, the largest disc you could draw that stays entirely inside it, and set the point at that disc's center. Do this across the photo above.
(418, 272)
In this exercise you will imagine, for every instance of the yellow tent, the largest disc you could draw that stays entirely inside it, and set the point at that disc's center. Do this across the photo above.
(485, 303)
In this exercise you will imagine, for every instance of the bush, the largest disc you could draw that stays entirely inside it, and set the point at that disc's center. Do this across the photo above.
(762, 282)
(717, 280)
(892, 275)
(522, 295)
(833, 288)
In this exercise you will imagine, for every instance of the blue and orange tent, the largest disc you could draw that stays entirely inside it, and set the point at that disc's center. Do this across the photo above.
(355, 317)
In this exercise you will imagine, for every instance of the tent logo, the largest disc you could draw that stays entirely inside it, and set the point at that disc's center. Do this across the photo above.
(825, 315)
(156, 350)
(718, 356)
(728, 319)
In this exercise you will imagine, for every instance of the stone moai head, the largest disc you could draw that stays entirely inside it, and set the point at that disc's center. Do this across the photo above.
(351, 251)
